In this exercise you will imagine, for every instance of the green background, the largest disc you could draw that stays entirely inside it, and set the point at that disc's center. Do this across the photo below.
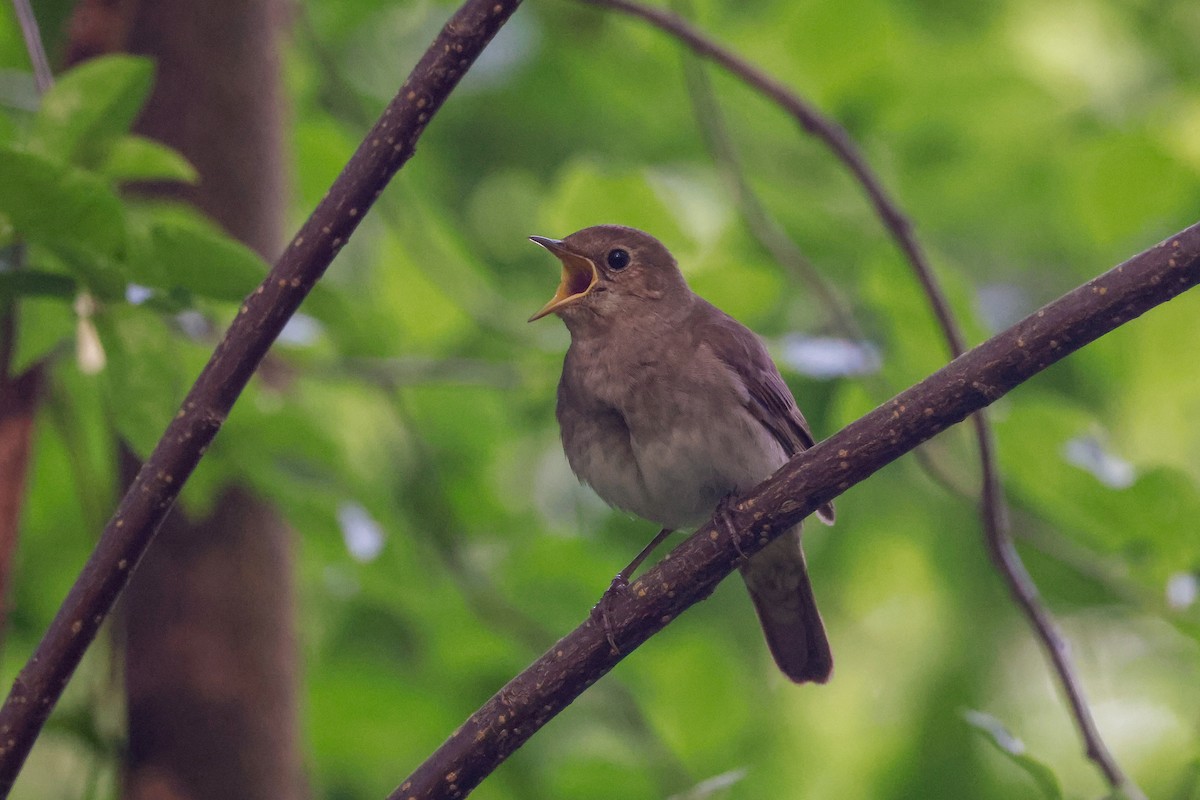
(1034, 145)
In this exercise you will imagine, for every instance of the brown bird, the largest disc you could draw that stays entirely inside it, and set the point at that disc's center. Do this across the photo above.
(668, 406)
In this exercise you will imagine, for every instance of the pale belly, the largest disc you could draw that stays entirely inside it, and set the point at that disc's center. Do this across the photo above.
(673, 472)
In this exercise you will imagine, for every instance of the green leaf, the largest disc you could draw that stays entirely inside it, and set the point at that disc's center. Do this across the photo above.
(36, 283)
(1143, 523)
(49, 202)
(136, 158)
(174, 248)
(91, 106)
(150, 367)
(585, 189)
(8, 129)
(1014, 750)
(43, 323)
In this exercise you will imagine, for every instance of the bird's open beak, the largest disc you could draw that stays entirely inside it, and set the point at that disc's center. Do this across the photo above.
(579, 275)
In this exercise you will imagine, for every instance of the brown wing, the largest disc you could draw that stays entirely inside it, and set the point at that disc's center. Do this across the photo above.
(770, 400)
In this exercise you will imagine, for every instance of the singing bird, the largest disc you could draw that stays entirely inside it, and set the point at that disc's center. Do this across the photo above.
(668, 406)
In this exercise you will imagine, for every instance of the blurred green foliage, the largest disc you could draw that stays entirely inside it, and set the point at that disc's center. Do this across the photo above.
(442, 539)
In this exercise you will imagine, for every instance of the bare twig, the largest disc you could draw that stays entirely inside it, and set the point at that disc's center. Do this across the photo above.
(1024, 590)
(43, 78)
(813, 121)
(816, 476)
(993, 510)
(762, 225)
(389, 144)
(771, 235)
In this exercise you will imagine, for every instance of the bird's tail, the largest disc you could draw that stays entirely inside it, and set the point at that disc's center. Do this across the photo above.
(777, 578)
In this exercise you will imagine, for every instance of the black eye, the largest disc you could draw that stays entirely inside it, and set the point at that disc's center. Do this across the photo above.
(618, 259)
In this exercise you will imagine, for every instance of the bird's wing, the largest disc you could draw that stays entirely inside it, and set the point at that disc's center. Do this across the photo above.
(768, 398)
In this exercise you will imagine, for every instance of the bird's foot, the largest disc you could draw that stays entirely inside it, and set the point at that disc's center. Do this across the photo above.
(600, 611)
(620, 585)
(723, 516)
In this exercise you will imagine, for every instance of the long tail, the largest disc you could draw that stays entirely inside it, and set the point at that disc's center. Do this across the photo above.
(777, 578)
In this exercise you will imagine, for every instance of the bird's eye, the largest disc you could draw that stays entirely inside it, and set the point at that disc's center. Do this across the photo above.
(618, 259)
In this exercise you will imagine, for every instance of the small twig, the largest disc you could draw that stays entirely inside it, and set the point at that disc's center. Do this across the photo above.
(813, 121)
(1023, 589)
(389, 144)
(762, 225)
(814, 477)
(993, 509)
(43, 78)
(771, 235)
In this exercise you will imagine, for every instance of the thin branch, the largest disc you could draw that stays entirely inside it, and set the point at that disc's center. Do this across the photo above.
(692, 571)
(389, 144)
(993, 510)
(43, 78)
(770, 234)
(783, 249)
(816, 123)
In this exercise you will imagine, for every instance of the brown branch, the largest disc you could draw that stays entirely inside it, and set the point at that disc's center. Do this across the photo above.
(1020, 584)
(993, 508)
(389, 144)
(782, 248)
(43, 78)
(817, 124)
(691, 571)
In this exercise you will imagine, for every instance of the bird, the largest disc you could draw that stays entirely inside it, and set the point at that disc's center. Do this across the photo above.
(668, 408)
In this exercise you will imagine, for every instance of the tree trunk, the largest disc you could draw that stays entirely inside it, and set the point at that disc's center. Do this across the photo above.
(210, 659)
(18, 407)
(210, 667)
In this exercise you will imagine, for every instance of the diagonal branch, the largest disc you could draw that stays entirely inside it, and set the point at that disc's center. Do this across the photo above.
(691, 571)
(43, 78)
(993, 508)
(389, 144)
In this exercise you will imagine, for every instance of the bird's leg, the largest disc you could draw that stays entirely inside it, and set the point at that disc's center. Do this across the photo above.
(723, 516)
(620, 583)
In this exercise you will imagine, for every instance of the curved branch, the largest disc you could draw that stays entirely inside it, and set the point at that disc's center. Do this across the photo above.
(993, 508)
(389, 144)
(692, 571)
(765, 228)
(816, 123)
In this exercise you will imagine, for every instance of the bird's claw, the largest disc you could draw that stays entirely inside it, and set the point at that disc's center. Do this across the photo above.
(619, 585)
(724, 519)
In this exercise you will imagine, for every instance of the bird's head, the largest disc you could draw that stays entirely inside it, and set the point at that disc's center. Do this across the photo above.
(610, 270)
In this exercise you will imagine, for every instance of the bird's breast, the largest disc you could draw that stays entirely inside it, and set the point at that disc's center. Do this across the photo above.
(665, 441)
